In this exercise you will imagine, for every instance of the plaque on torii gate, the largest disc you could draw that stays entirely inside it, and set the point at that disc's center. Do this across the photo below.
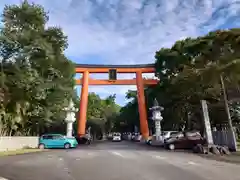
(112, 74)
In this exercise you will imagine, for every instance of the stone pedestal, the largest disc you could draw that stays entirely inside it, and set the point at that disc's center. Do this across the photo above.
(69, 129)
(70, 119)
(157, 118)
(158, 130)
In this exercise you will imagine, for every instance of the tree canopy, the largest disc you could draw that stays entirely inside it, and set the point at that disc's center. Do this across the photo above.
(37, 80)
(190, 71)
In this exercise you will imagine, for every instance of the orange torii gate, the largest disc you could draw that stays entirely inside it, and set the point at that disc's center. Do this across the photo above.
(85, 81)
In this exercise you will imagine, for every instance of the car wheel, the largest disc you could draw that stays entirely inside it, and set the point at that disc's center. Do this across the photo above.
(67, 146)
(165, 146)
(171, 146)
(41, 146)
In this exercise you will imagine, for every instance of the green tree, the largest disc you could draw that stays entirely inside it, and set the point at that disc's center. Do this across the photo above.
(36, 77)
(101, 113)
(190, 71)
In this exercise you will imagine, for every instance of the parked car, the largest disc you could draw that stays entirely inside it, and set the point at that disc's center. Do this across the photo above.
(149, 140)
(129, 136)
(184, 140)
(125, 136)
(133, 136)
(110, 136)
(168, 134)
(85, 139)
(116, 137)
(137, 137)
(57, 141)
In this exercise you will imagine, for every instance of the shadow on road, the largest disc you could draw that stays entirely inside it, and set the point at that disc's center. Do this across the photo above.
(123, 145)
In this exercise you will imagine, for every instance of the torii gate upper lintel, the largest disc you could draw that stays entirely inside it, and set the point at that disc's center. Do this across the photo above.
(85, 81)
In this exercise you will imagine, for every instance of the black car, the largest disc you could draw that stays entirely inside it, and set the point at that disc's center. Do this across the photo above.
(86, 139)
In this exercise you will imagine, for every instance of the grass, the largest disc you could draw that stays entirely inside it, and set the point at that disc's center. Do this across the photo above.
(234, 157)
(19, 151)
(238, 147)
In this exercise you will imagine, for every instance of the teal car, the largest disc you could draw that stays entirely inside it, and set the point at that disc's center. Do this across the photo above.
(48, 141)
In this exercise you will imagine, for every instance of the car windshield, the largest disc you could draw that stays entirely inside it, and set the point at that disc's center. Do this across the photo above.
(117, 134)
(164, 133)
(57, 136)
(173, 133)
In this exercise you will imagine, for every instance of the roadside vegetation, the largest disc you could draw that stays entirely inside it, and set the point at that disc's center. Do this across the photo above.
(189, 71)
(101, 114)
(18, 152)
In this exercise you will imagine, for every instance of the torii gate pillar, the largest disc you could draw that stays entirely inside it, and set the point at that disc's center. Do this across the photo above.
(83, 105)
(142, 106)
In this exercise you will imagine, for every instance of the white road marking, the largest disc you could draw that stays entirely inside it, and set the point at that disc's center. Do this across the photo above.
(117, 153)
(84, 155)
(60, 159)
(177, 161)
(160, 157)
(157, 157)
(50, 156)
(1, 178)
(90, 155)
(192, 163)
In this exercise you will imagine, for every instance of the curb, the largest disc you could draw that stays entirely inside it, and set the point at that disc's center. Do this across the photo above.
(22, 154)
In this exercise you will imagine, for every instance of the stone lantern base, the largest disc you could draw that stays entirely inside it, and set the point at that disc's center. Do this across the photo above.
(69, 128)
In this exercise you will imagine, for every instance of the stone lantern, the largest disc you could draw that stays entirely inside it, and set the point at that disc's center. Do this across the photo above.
(157, 118)
(70, 118)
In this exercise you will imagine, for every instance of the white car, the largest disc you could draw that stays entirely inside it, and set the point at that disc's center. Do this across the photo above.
(138, 137)
(116, 137)
(165, 135)
(132, 137)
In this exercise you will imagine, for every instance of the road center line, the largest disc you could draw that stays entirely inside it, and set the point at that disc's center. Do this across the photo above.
(117, 153)
(192, 163)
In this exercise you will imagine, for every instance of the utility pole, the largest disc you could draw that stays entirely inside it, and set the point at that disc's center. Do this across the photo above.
(228, 113)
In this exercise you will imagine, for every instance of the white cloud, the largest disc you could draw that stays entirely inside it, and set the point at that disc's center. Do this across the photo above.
(130, 31)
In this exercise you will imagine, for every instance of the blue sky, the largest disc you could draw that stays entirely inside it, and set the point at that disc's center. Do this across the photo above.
(130, 31)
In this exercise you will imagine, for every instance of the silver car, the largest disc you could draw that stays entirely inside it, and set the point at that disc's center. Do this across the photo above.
(168, 134)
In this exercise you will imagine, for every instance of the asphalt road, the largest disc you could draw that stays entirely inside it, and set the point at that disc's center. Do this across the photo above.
(115, 161)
